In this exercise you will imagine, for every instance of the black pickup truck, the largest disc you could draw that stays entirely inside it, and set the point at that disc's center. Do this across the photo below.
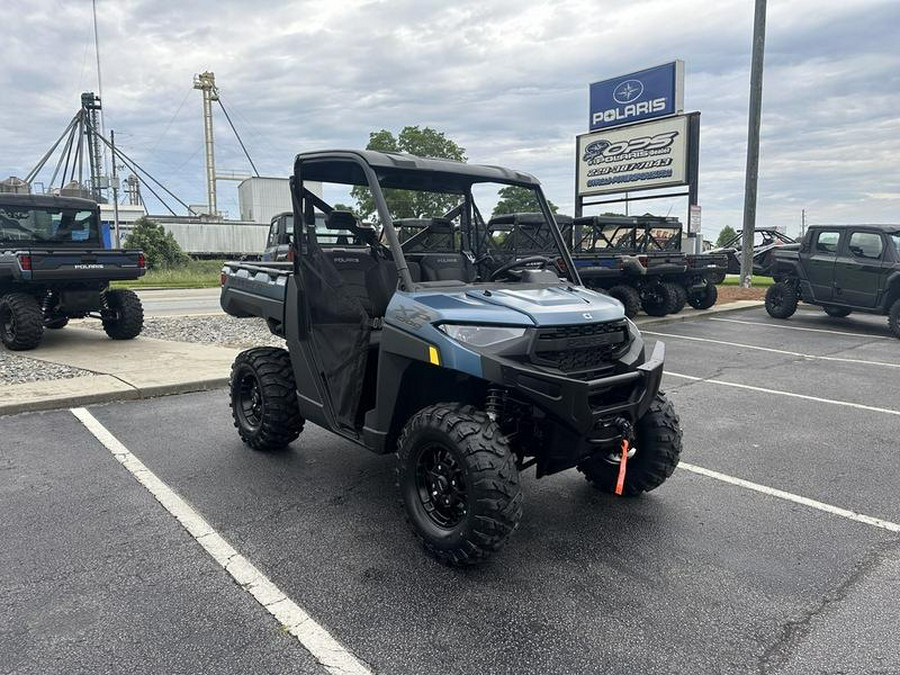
(53, 267)
(842, 268)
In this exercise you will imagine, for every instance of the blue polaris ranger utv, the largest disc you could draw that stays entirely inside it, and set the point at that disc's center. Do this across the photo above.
(414, 341)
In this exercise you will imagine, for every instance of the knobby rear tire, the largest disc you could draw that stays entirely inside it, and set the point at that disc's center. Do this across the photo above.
(263, 398)
(129, 315)
(21, 321)
(629, 297)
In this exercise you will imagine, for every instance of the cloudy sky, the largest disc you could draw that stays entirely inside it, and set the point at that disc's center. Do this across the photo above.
(507, 80)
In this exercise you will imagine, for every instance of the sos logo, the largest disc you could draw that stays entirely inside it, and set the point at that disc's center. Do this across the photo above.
(604, 150)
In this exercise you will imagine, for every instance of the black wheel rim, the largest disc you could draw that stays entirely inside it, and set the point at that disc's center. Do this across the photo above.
(249, 401)
(441, 486)
(777, 298)
(8, 323)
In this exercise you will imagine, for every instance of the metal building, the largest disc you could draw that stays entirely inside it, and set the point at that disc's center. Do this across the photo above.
(261, 198)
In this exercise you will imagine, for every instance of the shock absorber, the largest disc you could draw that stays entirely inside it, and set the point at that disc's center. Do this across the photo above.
(494, 402)
(48, 303)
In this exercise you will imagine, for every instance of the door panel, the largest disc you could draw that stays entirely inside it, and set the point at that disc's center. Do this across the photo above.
(858, 269)
(820, 264)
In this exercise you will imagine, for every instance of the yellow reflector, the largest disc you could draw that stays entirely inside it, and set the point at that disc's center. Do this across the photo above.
(434, 356)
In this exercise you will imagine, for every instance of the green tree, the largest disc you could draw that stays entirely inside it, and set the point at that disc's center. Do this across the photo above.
(425, 142)
(159, 246)
(725, 235)
(515, 199)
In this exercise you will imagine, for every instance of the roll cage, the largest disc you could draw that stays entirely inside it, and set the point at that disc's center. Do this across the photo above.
(379, 171)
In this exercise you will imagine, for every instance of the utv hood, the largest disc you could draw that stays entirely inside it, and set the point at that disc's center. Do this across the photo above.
(543, 306)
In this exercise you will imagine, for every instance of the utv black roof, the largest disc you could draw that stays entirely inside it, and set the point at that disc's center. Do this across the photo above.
(400, 170)
(887, 227)
(528, 219)
(43, 201)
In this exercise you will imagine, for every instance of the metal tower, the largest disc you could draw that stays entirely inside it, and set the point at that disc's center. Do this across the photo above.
(206, 82)
(133, 190)
(90, 110)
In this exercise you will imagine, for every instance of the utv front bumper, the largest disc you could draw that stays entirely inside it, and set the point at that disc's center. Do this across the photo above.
(581, 416)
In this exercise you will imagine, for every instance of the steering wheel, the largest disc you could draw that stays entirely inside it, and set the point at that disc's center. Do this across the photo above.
(522, 262)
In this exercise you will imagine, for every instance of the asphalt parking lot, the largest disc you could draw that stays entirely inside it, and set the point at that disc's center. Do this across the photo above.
(774, 549)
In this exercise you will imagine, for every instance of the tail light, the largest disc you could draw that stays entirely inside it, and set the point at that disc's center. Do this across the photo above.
(290, 254)
(222, 277)
(644, 260)
(142, 261)
(24, 262)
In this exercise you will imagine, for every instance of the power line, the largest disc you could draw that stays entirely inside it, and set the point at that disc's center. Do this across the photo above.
(237, 135)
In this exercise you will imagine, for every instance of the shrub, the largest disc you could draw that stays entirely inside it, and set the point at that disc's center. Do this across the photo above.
(159, 246)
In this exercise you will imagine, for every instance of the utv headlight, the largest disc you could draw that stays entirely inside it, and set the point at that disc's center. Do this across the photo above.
(481, 336)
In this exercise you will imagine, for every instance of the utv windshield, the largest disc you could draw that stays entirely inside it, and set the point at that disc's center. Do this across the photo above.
(31, 224)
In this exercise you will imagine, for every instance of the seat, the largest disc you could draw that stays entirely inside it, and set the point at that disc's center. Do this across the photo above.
(446, 267)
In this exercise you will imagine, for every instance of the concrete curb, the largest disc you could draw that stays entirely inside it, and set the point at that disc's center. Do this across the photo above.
(129, 385)
(735, 306)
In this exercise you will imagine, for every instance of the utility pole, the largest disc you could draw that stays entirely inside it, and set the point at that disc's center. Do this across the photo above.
(115, 188)
(752, 174)
(206, 82)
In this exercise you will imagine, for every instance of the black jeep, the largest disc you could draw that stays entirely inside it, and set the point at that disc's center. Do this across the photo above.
(842, 268)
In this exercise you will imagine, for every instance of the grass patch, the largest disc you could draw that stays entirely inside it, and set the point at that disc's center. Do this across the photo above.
(196, 274)
(755, 280)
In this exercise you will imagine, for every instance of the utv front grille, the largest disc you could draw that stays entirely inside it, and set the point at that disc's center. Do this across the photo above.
(582, 351)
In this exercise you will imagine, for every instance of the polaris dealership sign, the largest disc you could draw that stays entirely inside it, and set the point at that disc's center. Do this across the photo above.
(646, 94)
(637, 157)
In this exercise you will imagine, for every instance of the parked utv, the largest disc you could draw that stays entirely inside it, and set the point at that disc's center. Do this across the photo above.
(843, 269)
(697, 284)
(609, 256)
(766, 241)
(469, 368)
(53, 267)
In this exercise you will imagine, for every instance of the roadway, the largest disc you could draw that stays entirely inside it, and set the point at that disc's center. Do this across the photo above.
(774, 548)
(180, 302)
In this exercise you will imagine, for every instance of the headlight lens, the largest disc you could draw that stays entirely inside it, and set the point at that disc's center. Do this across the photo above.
(481, 336)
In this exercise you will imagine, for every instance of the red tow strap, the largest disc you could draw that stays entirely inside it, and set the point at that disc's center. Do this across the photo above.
(623, 463)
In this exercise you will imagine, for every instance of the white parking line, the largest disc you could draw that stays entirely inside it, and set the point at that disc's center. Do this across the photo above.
(334, 657)
(797, 499)
(881, 364)
(809, 330)
(778, 392)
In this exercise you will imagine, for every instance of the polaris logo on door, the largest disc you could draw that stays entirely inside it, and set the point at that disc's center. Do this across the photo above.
(655, 92)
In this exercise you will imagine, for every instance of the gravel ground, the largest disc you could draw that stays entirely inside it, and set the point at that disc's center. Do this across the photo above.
(226, 331)
(216, 330)
(18, 369)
